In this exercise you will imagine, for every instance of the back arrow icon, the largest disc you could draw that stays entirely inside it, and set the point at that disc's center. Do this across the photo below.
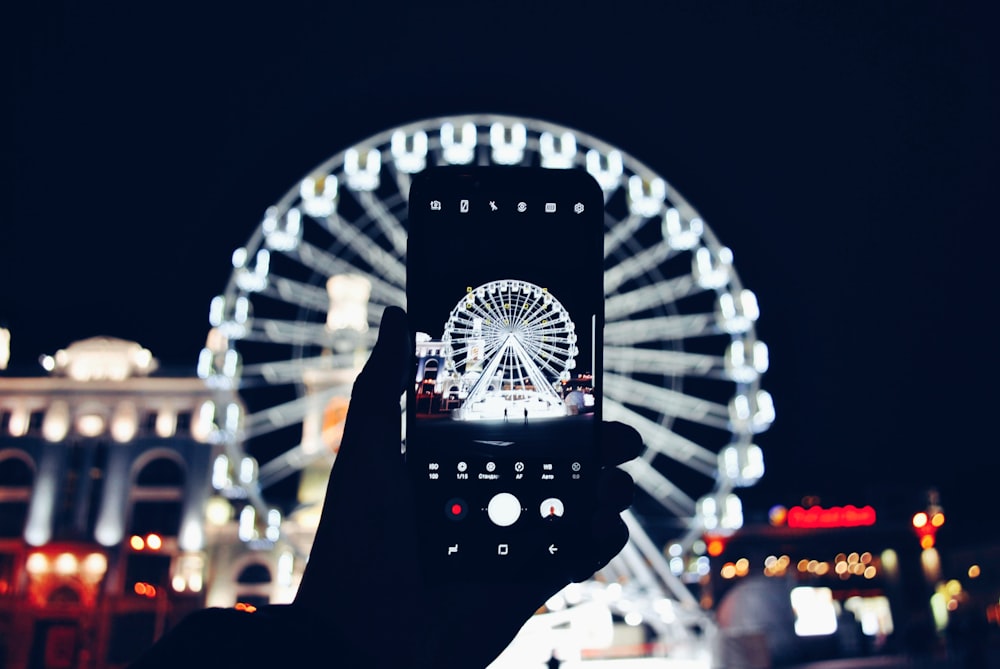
(552, 549)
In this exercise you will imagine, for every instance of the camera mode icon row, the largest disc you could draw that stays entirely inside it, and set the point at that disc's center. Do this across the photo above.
(490, 466)
(521, 206)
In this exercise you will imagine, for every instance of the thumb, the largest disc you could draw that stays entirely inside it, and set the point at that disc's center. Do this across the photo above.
(384, 376)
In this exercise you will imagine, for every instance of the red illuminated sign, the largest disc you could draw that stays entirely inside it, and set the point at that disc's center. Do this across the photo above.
(817, 517)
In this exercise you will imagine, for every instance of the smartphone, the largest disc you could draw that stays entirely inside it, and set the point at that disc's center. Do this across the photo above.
(505, 296)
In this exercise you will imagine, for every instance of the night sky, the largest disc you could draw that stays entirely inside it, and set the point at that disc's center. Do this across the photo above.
(844, 151)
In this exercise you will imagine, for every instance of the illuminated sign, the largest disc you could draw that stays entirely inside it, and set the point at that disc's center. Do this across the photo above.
(817, 517)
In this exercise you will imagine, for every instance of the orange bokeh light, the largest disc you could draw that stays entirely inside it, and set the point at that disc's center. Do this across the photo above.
(144, 589)
(136, 542)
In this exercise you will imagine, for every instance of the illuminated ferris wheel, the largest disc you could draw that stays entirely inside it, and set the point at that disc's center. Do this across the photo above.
(509, 345)
(683, 363)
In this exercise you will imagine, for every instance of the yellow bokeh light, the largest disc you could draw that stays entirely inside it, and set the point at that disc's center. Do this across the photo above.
(37, 563)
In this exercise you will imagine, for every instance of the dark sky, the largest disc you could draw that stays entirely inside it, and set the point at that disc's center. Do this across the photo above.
(845, 152)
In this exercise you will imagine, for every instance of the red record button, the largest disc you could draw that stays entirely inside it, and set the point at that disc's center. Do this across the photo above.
(456, 509)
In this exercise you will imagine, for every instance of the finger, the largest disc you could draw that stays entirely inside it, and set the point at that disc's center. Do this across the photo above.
(609, 536)
(619, 443)
(383, 378)
(615, 490)
(374, 416)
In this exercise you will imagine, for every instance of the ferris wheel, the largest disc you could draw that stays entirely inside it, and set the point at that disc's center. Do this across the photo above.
(683, 364)
(509, 344)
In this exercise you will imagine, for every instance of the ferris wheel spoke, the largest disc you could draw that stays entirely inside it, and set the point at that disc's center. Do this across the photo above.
(543, 313)
(291, 412)
(494, 308)
(659, 361)
(386, 221)
(670, 328)
(475, 309)
(296, 292)
(670, 402)
(622, 305)
(552, 351)
(534, 374)
(388, 265)
(284, 465)
(538, 318)
(281, 372)
(547, 366)
(634, 265)
(329, 265)
(660, 488)
(620, 231)
(662, 440)
(294, 332)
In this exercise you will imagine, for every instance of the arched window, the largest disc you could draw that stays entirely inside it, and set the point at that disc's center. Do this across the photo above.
(63, 594)
(254, 574)
(160, 472)
(253, 585)
(16, 470)
(157, 496)
(17, 475)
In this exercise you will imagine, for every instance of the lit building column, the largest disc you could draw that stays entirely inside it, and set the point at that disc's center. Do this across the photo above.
(110, 527)
(196, 491)
(45, 495)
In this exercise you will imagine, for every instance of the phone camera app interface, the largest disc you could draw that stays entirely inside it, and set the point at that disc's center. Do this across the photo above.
(505, 295)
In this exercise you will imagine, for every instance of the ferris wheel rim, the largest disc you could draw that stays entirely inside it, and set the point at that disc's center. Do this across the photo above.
(378, 141)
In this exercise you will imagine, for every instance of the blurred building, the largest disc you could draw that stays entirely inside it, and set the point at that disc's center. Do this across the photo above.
(818, 583)
(118, 509)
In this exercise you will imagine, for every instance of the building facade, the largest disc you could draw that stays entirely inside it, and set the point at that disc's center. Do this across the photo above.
(118, 509)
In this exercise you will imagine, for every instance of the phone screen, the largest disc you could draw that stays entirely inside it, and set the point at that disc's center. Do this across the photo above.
(505, 295)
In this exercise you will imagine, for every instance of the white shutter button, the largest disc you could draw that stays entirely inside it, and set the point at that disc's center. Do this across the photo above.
(504, 509)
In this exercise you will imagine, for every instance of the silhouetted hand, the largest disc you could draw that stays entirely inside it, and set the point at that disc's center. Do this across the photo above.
(363, 602)
(363, 578)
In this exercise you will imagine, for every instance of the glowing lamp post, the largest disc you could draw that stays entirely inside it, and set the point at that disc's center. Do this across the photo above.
(926, 524)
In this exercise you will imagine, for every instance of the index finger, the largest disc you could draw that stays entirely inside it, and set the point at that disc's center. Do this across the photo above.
(619, 443)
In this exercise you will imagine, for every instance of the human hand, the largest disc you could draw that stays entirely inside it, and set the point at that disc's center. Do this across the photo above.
(363, 580)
